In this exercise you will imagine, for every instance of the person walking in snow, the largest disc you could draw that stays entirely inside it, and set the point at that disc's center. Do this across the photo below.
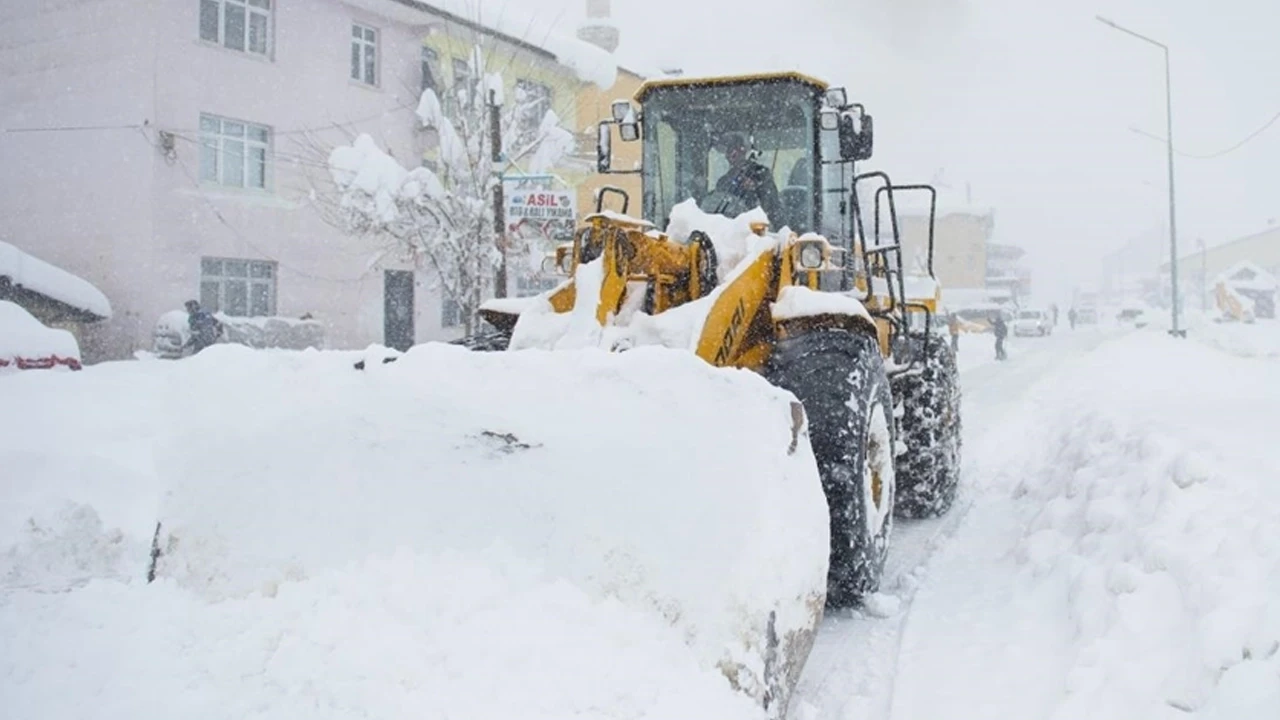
(1000, 329)
(953, 327)
(1071, 318)
(205, 328)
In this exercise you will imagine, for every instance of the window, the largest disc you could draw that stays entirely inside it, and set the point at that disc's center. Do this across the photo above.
(240, 288)
(450, 313)
(237, 24)
(233, 153)
(364, 54)
(430, 67)
(533, 100)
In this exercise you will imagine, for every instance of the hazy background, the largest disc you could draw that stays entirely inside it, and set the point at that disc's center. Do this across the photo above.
(1028, 102)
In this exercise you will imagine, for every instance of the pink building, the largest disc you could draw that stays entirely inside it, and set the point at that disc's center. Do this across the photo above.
(167, 150)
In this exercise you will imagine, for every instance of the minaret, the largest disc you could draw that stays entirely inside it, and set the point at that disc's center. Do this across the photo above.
(598, 29)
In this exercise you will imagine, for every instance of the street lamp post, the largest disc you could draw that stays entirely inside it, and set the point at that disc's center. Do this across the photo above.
(1176, 331)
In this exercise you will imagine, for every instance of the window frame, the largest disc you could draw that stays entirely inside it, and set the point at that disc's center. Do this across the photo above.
(361, 46)
(258, 273)
(250, 10)
(220, 138)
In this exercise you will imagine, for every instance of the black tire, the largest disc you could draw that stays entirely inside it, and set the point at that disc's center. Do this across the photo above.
(840, 379)
(928, 472)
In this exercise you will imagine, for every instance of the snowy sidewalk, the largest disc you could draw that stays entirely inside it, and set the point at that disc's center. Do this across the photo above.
(1123, 557)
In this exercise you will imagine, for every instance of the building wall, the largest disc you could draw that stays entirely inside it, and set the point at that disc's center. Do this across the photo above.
(77, 192)
(960, 240)
(129, 213)
(300, 93)
(594, 105)
(1198, 271)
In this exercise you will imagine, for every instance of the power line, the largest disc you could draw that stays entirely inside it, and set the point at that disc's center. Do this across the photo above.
(1266, 126)
(217, 213)
(1211, 156)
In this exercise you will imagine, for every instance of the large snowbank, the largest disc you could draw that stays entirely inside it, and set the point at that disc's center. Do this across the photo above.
(39, 276)
(1258, 339)
(470, 535)
(24, 339)
(1144, 483)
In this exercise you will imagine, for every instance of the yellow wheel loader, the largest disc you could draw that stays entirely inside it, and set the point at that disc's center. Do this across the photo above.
(819, 304)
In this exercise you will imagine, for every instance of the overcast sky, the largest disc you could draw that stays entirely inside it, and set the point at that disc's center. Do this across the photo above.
(1030, 102)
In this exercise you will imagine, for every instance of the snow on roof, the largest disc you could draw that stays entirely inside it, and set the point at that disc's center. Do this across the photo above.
(38, 276)
(1249, 276)
(589, 62)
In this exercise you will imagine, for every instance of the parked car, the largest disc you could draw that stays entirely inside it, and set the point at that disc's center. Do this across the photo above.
(1086, 316)
(1033, 322)
(28, 344)
(1133, 315)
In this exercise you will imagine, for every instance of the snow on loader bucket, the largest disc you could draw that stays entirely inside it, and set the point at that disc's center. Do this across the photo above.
(826, 317)
(705, 516)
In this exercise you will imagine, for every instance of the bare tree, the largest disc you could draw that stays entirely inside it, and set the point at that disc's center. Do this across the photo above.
(441, 217)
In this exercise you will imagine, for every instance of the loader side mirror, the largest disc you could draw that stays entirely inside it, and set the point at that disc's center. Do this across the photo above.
(604, 148)
(857, 139)
(629, 130)
(866, 139)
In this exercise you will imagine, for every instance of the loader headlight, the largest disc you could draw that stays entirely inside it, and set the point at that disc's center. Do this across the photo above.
(811, 256)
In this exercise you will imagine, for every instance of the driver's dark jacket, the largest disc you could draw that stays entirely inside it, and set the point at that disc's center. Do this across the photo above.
(753, 184)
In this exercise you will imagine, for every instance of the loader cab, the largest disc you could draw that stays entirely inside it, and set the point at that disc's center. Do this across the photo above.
(802, 135)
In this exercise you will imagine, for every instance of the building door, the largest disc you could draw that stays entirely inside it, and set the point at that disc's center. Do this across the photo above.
(397, 313)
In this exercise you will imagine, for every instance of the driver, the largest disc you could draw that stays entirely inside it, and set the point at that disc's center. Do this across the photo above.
(748, 180)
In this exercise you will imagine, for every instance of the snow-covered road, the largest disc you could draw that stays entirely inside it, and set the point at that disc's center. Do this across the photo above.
(851, 672)
(1113, 554)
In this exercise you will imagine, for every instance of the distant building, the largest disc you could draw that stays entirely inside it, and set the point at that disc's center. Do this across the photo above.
(1200, 264)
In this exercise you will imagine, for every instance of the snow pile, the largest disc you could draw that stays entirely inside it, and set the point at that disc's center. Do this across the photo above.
(796, 301)
(173, 331)
(732, 237)
(1259, 339)
(465, 534)
(737, 247)
(24, 339)
(53, 282)
(590, 63)
(1161, 524)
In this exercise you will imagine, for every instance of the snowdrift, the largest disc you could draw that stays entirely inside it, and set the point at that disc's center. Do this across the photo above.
(476, 535)
(25, 343)
(1147, 478)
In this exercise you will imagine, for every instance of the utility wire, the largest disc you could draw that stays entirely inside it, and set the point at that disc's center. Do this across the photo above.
(213, 208)
(1266, 126)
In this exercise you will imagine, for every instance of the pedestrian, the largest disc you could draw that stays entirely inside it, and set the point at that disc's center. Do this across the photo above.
(1071, 318)
(1000, 329)
(205, 328)
(953, 327)
(1054, 309)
